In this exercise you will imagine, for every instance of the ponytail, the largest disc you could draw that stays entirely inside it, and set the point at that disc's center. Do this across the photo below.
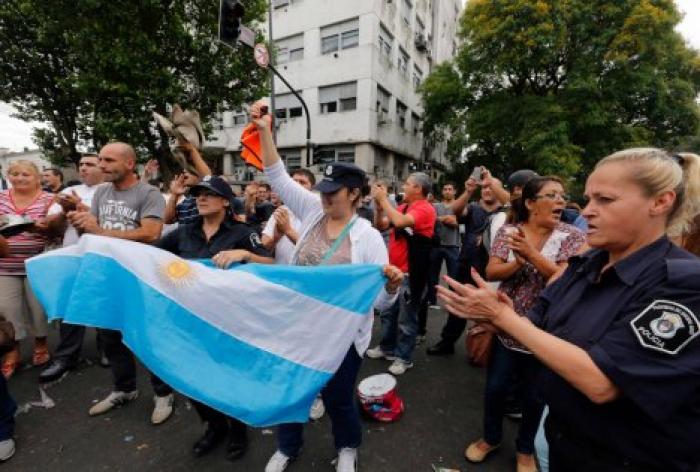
(688, 196)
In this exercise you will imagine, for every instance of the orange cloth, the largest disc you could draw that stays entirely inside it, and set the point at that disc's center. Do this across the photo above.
(251, 149)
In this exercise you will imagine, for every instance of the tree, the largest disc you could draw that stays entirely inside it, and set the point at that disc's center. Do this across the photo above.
(556, 85)
(96, 69)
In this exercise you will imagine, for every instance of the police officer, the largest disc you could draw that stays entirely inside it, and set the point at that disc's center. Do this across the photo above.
(215, 235)
(618, 333)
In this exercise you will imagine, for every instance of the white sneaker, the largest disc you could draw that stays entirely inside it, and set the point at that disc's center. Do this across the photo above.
(278, 462)
(400, 366)
(377, 353)
(112, 400)
(347, 460)
(163, 408)
(7, 449)
(318, 409)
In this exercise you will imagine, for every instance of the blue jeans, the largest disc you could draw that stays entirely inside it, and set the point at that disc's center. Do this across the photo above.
(499, 377)
(541, 444)
(400, 324)
(339, 399)
(450, 254)
(7, 411)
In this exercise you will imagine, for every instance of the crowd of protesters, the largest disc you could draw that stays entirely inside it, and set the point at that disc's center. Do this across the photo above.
(561, 304)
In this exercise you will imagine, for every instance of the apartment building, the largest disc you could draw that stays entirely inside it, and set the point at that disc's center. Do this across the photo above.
(357, 65)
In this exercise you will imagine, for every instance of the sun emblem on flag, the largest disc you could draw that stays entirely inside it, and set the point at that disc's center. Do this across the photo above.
(177, 272)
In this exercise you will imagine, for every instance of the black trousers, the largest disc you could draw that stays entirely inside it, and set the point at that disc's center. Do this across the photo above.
(569, 451)
(123, 365)
(454, 326)
(220, 422)
(70, 342)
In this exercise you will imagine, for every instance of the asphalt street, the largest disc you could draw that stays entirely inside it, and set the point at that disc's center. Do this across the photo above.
(443, 398)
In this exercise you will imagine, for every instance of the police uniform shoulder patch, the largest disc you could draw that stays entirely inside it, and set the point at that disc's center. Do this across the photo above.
(255, 240)
(665, 326)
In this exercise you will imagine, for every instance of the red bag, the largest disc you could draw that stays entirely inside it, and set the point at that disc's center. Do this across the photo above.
(479, 343)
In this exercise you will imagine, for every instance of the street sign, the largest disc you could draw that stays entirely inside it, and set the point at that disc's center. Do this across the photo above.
(261, 55)
(247, 36)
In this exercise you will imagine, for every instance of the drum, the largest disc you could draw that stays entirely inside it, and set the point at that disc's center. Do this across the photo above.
(379, 399)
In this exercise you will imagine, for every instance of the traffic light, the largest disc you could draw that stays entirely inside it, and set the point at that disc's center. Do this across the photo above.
(230, 14)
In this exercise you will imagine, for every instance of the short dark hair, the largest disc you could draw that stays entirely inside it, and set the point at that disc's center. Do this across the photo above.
(306, 173)
(56, 172)
(266, 185)
(530, 191)
(449, 182)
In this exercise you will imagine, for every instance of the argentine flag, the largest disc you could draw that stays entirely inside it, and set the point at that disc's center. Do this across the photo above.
(256, 342)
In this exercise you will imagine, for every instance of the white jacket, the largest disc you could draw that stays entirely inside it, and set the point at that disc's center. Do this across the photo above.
(367, 245)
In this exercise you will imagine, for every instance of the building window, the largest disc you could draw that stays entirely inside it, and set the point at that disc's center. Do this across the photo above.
(417, 76)
(401, 110)
(291, 158)
(386, 41)
(329, 155)
(343, 35)
(341, 97)
(287, 106)
(415, 121)
(407, 7)
(239, 119)
(290, 49)
(383, 99)
(403, 63)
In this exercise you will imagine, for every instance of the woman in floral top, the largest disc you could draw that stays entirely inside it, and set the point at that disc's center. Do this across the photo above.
(25, 198)
(524, 256)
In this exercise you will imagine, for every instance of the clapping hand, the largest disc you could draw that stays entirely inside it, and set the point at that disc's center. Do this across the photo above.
(480, 302)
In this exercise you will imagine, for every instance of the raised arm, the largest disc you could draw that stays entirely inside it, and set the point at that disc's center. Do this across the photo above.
(302, 202)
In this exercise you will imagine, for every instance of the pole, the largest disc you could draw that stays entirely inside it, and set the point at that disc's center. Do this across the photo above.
(306, 112)
(272, 76)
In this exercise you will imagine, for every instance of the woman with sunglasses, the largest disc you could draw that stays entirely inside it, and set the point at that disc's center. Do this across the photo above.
(524, 255)
(330, 233)
(618, 332)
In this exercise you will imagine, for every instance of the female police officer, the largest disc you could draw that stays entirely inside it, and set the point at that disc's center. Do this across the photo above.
(618, 332)
(215, 235)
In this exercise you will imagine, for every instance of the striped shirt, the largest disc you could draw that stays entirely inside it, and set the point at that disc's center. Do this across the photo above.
(187, 211)
(26, 244)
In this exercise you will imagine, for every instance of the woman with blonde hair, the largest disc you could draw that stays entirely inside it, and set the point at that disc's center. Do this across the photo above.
(27, 199)
(619, 332)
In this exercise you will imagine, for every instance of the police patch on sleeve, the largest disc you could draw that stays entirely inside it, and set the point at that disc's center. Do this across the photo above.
(255, 240)
(666, 326)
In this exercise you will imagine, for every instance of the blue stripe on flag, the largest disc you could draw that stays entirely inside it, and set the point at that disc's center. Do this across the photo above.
(253, 385)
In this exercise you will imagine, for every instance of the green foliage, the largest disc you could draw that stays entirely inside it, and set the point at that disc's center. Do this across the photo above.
(554, 85)
(96, 69)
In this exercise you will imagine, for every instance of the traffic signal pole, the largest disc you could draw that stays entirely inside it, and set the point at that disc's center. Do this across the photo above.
(309, 150)
(232, 32)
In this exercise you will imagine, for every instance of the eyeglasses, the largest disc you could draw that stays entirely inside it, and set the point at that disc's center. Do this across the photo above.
(553, 196)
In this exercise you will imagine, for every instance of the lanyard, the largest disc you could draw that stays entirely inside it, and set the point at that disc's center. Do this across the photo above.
(343, 234)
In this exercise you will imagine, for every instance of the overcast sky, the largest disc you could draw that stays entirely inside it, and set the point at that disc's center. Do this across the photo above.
(16, 134)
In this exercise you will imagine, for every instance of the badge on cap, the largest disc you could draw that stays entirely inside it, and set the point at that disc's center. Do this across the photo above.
(207, 178)
(665, 326)
(329, 170)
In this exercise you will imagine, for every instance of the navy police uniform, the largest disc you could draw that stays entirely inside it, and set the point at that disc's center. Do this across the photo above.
(189, 241)
(638, 320)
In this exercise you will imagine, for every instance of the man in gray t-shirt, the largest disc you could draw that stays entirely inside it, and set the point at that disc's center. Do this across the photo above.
(448, 231)
(126, 208)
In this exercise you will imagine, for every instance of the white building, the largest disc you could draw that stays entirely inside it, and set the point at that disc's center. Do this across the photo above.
(357, 65)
